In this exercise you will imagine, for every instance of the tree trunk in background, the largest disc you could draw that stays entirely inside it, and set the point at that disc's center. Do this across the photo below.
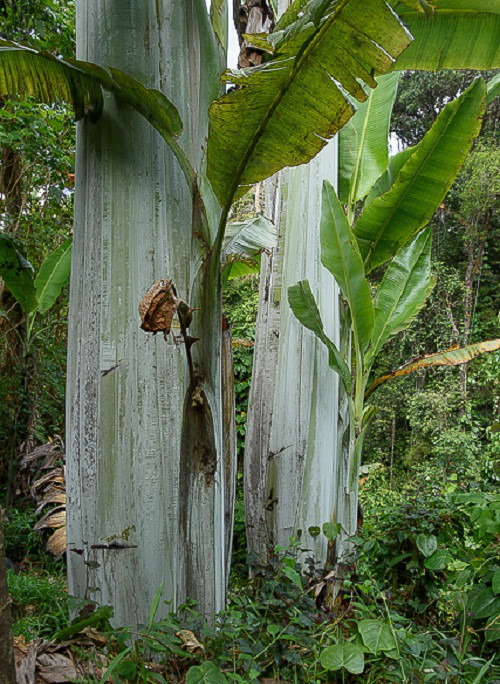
(291, 442)
(144, 459)
(7, 666)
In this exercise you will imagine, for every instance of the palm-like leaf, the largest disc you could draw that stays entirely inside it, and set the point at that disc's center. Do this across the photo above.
(363, 149)
(304, 306)
(25, 71)
(53, 276)
(17, 273)
(390, 221)
(406, 285)
(285, 110)
(340, 255)
(450, 357)
(461, 34)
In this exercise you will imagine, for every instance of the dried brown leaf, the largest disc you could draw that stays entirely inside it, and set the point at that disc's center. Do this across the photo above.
(54, 518)
(189, 641)
(158, 306)
(56, 544)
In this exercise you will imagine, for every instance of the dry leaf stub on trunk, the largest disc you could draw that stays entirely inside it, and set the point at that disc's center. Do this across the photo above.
(158, 306)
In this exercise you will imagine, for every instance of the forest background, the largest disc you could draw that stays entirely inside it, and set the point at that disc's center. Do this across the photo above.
(436, 434)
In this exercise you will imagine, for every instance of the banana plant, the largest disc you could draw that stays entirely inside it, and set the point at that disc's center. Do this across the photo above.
(36, 294)
(391, 228)
(139, 213)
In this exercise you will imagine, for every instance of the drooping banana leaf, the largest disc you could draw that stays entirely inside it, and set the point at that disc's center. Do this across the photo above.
(450, 357)
(17, 274)
(460, 34)
(340, 255)
(403, 291)
(363, 149)
(391, 220)
(249, 237)
(284, 111)
(304, 306)
(25, 71)
(243, 243)
(53, 276)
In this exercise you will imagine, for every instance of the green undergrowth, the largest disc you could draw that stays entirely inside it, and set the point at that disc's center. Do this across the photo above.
(421, 604)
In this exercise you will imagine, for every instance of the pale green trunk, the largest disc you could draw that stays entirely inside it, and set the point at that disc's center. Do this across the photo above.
(291, 445)
(132, 475)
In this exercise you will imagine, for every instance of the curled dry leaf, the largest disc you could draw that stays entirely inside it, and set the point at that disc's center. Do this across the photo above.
(158, 306)
(190, 642)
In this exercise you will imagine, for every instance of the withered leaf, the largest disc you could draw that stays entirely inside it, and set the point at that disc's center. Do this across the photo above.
(158, 306)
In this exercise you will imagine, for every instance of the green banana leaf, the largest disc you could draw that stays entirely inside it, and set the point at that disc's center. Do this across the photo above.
(53, 276)
(25, 71)
(454, 356)
(390, 221)
(340, 255)
(17, 274)
(385, 182)
(461, 34)
(284, 111)
(304, 306)
(363, 149)
(218, 18)
(493, 88)
(403, 291)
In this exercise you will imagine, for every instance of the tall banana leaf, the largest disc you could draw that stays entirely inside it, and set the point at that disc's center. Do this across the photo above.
(17, 273)
(53, 276)
(460, 34)
(304, 306)
(392, 219)
(285, 110)
(363, 148)
(406, 285)
(454, 356)
(340, 255)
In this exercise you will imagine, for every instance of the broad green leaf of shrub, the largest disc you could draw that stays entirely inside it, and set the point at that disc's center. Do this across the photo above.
(438, 561)
(484, 604)
(208, 673)
(495, 584)
(331, 530)
(293, 576)
(377, 636)
(426, 544)
(348, 656)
